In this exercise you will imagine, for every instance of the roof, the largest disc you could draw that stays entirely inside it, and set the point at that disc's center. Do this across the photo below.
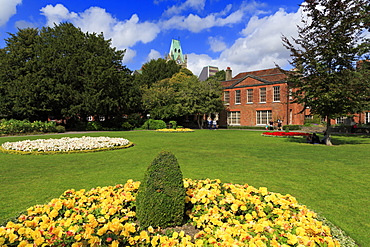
(254, 78)
(176, 50)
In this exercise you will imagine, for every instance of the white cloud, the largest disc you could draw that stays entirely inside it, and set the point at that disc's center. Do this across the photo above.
(188, 4)
(260, 46)
(56, 14)
(129, 56)
(217, 44)
(7, 10)
(196, 24)
(24, 24)
(153, 54)
(123, 33)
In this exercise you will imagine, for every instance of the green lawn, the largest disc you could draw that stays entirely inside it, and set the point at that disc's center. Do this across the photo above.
(333, 181)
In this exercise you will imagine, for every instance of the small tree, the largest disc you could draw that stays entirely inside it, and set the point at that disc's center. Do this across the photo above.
(161, 195)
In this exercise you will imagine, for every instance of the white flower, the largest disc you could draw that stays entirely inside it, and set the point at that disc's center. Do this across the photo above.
(65, 144)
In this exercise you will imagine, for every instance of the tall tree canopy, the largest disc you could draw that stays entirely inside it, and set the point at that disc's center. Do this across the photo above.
(183, 94)
(324, 56)
(62, 72)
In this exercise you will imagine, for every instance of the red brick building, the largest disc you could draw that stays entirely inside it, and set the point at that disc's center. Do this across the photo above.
(254, 98)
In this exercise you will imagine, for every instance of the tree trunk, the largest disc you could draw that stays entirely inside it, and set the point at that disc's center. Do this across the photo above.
(200, 124)
(327, 137)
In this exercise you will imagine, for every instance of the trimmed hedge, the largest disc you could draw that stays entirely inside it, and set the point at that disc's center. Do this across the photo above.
(161, 195)
(14, 127)
(154, 124)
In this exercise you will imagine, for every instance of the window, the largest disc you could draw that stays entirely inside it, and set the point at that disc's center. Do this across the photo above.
(263, 95)
(290, 94)
(227, 97)
(237, 97)
(367, 117)
(233, 118)
(249, 95)
(308, 117)
(340, 120)
(263, 117)
(276, 94)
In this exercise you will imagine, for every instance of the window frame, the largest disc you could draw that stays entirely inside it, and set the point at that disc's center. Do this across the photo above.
(263, 115)
(250, 96)
(276, 94)
(263, 94)
(237, 97)
(233, 117)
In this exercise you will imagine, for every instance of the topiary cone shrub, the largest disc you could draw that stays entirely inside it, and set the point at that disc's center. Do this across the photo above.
(161, 196)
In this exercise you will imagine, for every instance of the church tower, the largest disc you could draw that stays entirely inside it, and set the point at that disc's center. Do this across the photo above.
(176, 54)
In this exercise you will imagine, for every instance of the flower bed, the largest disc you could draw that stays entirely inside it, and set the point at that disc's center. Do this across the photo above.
(285, 134)
(65, 145)
(178, 130)
(224, 215)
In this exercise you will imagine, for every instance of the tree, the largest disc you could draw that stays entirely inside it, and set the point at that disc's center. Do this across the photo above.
(183, 94)
(324, 56)
(63, 72)
(161, 195)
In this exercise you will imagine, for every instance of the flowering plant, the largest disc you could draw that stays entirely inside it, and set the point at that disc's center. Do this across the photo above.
(64, 145)
(285, 134)
(224, 215)
(177, 130)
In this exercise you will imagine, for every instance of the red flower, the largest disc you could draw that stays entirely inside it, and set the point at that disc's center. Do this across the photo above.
(281, 133)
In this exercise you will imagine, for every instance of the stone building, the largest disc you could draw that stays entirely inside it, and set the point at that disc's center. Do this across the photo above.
(176, 54)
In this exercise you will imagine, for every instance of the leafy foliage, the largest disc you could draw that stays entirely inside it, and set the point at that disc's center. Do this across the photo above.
(161, 195)
(325, 54)
(183, 94)
(154, 124)
(63, 72)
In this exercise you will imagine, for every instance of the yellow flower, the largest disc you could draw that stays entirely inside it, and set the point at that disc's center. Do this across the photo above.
(39, 241)
(12, 237)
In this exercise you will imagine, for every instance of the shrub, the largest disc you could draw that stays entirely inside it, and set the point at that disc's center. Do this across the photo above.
(94, 125)
(154, 124)
(292, 127)
(173, 124)
(60, 129)
(161, 195)
(127, 126)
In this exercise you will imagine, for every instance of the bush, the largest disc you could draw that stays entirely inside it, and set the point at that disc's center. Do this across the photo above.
(292, 127)
(127, 126)
(173, 124)
(161, 196)
(94, 125)
(60, 129)
(154, 124)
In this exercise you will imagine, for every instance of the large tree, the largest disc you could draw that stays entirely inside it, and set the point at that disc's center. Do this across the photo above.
(324, 55)
(62, 72)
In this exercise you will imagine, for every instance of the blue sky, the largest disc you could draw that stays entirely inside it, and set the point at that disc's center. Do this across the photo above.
(243, 35)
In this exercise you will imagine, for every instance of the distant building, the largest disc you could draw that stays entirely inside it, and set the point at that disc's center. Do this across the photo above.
(207, 72)
(176, 54)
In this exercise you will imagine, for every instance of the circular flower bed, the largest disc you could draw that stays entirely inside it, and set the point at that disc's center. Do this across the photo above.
(285, 134)
(223, 214)
(65, 145)
(178, 130)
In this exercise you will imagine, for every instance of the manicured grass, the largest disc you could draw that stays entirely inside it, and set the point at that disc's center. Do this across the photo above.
(333, 181)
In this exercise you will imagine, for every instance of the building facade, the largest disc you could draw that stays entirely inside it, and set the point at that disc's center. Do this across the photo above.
(207, 72)
(176, 54)
(255, 98)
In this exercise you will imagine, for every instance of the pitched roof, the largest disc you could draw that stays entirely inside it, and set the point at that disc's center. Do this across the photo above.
(259, 77)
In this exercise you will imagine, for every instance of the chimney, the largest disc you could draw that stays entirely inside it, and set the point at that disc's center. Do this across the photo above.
(229, 74)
